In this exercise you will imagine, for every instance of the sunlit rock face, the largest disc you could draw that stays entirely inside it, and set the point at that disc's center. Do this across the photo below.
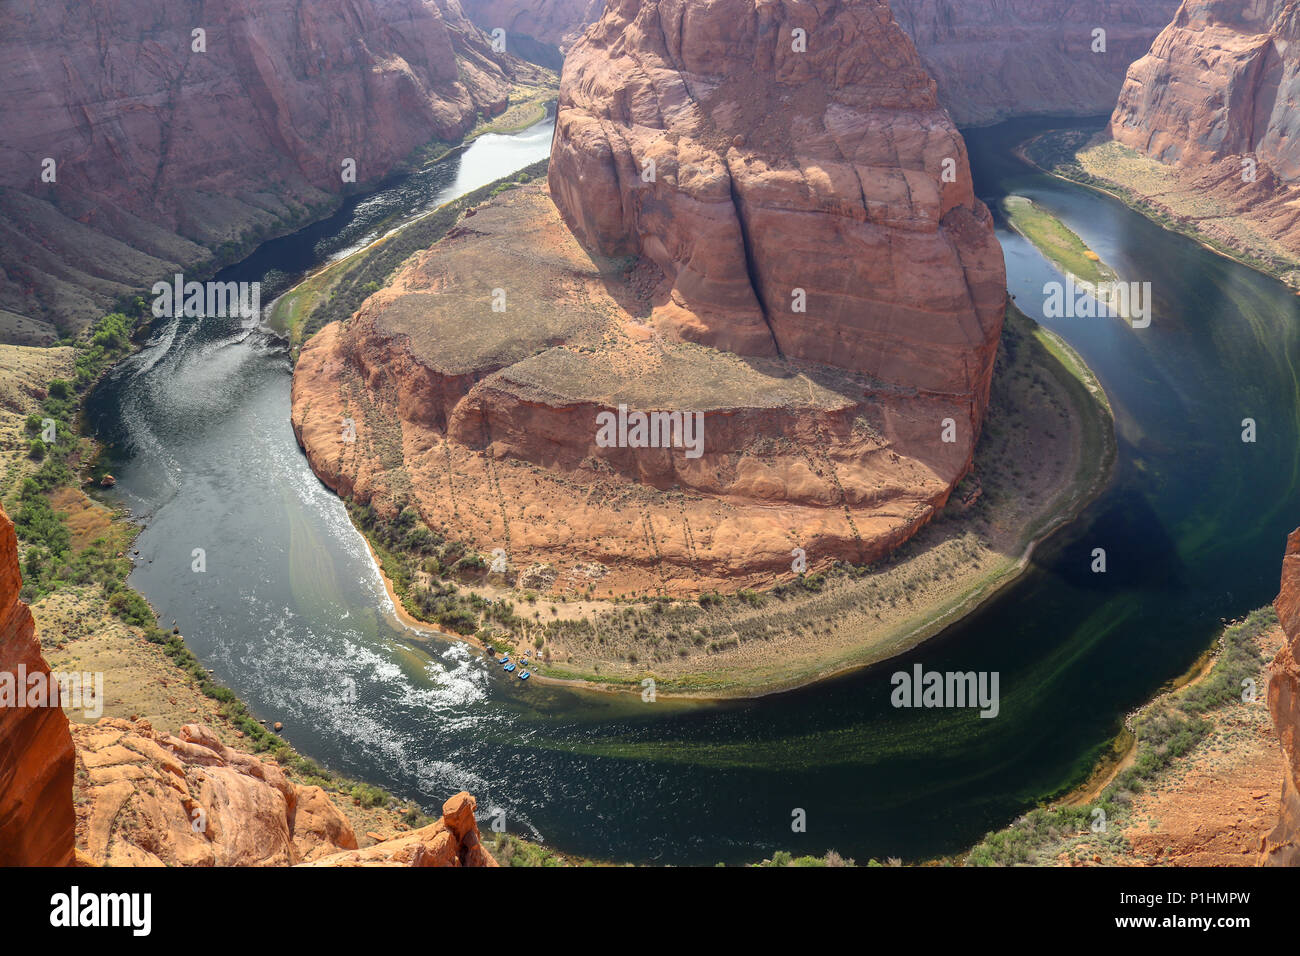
(36, 760)
(798, 154)
(1223, 81)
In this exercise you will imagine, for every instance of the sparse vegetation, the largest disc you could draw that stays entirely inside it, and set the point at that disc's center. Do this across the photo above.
(1165, 730)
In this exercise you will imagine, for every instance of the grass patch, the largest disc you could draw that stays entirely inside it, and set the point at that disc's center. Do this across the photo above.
(1055, 240)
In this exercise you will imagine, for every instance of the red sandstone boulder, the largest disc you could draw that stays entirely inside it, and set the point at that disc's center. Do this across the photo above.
(452, 841)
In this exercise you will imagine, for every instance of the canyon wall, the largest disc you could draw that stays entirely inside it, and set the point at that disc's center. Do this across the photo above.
(1217, 100)
(1223, 81)
(992, 59)
(558, 23)
(36, 761)
(163, 153)
(1282, 846)
(995, 59)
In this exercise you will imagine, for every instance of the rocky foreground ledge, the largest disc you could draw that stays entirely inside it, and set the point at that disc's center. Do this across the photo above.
(119, 793)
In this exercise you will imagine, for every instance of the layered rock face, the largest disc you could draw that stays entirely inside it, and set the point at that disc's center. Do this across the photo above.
(1222, 82)
(147, 798)
(1282, 847)
(1218, 101)
(994, 59)
(796, 202)
(161, 152)
(36, 760)
(798, 275)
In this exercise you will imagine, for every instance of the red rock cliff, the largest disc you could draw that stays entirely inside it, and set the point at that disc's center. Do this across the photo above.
(163, 152)
(1282, 847)
(1215, 100)
(36, 759)
(1219, 82)
(777, 169)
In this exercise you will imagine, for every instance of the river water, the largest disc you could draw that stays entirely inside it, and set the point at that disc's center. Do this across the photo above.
(292, 615)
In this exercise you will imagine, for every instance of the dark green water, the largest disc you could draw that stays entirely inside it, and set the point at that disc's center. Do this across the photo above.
(291, 613)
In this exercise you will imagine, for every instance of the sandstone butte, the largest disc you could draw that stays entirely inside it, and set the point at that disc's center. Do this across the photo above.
(1282, 846)
(774, 171)
(147, 798)
(1218, 87)
(163, 153)
(992, 59)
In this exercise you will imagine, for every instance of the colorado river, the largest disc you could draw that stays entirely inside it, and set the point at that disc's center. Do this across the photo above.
(292, 615)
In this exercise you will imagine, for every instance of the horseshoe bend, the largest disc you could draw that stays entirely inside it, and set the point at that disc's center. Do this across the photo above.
(783, 247)
(477, 433)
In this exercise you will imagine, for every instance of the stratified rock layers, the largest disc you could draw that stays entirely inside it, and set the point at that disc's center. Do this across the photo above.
(1282, 847)
(36, 761)
(797, 201)
(167, 143)
(147, 798)
(1218, 99)
(763, 237)
(994, 59)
